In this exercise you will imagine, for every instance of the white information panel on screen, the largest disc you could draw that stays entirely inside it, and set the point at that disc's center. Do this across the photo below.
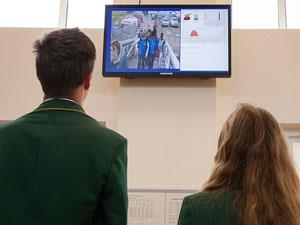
(155, 207)
(204, 40)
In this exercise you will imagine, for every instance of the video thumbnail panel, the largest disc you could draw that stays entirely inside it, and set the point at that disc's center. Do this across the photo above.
(145, 40)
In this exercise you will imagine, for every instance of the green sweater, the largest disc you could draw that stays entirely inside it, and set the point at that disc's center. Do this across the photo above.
(59, 166)
(205, 209)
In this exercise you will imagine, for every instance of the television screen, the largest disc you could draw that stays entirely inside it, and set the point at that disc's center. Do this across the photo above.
(174, 40)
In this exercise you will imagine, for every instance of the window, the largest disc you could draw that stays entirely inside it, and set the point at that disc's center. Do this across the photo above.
(293, 16)
(256, 14)
(296, 154)
(292, 135)
(246, 14)
(29, 13)
(87, 13)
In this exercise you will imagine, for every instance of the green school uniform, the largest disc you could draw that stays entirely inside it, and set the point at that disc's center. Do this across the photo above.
(205, 209)
(58, 166)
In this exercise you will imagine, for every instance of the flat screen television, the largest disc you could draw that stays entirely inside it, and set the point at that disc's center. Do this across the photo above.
(167, 40)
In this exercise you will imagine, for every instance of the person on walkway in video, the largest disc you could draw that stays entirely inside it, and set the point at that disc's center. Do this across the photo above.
(155, 27)
(143, 48)
(153, 48)
(161, 52)
(118, 58)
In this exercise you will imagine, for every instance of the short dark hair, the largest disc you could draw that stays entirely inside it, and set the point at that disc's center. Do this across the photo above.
(63, 60)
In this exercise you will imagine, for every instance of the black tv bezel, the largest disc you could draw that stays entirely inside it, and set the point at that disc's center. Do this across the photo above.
(201, 75)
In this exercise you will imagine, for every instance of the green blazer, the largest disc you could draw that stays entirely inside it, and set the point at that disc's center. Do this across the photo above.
(205, 209)
(58, 166)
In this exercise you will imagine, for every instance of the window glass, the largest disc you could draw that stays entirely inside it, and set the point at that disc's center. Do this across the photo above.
(293, 15)
(255, 14)
(87, 13)
(29, 13)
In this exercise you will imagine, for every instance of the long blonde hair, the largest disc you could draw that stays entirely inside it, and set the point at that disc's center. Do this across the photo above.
(253, 161)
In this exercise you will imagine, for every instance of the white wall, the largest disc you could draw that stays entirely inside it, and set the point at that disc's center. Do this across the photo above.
(19, 90)
(266, 72)
(170, 125)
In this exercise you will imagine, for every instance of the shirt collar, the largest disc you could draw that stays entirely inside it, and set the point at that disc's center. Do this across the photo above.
(61, 103)
(66, 99)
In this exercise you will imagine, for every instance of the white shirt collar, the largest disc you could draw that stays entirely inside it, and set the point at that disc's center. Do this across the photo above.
(66, 99)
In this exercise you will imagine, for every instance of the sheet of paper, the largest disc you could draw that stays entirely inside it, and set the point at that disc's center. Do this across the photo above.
(145, 208)
(156, 207)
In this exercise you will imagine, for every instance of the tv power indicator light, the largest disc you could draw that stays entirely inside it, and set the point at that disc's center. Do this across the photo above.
(166, 74)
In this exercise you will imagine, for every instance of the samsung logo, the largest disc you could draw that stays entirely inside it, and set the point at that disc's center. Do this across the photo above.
(166, 74)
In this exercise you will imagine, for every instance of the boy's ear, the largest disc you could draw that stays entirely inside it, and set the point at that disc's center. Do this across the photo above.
(87, 82)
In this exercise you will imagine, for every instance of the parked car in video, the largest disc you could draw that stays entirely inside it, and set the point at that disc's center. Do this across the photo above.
(174, 22)
(196, 17)
(160, 15)
(165, 22)
(172, 14)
